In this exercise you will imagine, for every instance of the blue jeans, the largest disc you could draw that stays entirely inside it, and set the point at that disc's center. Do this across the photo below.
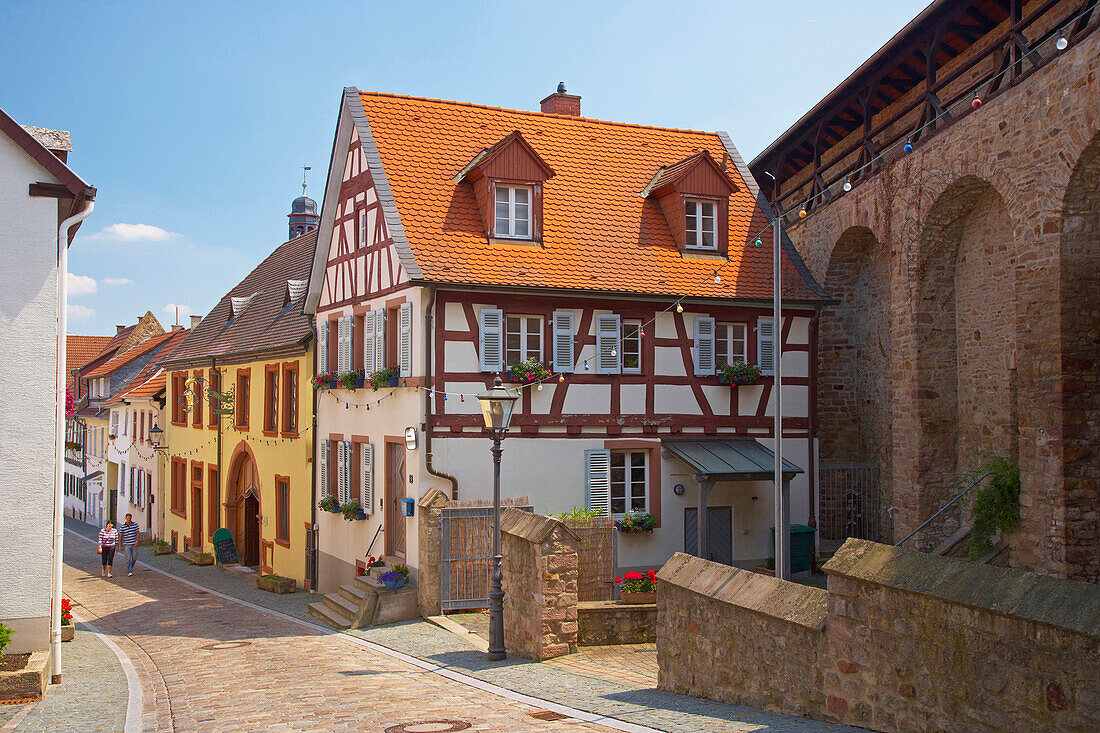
(131, 557)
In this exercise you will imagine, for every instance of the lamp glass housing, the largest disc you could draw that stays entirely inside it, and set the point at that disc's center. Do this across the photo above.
(497, 405)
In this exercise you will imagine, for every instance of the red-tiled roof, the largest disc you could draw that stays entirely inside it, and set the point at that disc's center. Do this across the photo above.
(79, 350)
(121, 360)
(269, 321)
(598, 232)
(142, 385)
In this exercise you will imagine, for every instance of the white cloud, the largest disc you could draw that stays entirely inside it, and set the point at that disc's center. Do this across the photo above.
(133, 233)
(80, 311)
(80, 284)
(170, 311)
(116, 281)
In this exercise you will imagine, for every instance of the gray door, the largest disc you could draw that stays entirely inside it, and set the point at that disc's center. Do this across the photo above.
(719, 533)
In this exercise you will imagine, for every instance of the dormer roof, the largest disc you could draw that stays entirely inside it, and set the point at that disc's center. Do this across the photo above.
(511, 158)
(697, 175)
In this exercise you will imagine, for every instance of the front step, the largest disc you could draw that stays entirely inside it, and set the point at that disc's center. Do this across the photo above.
(352, 593)
(330, 617)
(341, 605)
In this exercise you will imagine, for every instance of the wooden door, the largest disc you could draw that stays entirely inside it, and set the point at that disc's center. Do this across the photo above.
(196, 505)
(251, 511)
(395, 491)
(719, 533)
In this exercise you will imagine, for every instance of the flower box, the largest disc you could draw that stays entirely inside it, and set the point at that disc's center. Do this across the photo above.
(68, 632)
(633, 599)
(201, 558)
(738, 381)
(276, 584)
(393, 380)
(165, 549)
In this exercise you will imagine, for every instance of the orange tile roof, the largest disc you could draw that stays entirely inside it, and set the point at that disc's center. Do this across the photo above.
(144, 385)
(121, 360)
(79, 350)
(598, 233)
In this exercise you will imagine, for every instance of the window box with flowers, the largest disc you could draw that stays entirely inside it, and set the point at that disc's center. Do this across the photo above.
(328, 380)
(638, 523)
(68, 631)
(739, 373)
(384, 378)
(329, 504)
(635, 588)
(353, 510)
(528, 371)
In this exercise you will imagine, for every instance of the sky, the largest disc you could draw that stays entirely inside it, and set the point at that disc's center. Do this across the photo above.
(194, 119)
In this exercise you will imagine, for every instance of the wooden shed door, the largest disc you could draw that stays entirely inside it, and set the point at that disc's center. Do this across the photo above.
(719, 533)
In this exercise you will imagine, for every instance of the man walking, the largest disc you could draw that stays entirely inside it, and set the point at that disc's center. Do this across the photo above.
(128, 536)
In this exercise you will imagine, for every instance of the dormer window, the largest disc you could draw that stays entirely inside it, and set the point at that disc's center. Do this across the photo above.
(701, 227)
(513, 212)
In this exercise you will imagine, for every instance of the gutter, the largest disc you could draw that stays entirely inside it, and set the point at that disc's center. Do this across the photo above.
(313, 577)
(59, 435)
(428, 312)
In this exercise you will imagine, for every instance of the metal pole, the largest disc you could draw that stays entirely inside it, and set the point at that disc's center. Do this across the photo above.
(496, 592)
(782, 497)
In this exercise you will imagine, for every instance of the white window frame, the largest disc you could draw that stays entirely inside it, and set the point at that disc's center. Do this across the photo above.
(524, 333)
(361, 229)
(629, 486)
(511, 218)
(723, 344)
(625, 340)
(694, 238)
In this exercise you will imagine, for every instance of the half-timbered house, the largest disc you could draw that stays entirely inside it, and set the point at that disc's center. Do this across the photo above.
(457, 241)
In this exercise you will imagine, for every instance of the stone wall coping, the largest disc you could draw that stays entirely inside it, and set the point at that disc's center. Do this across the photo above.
(1066, 604)
(532, 527)
(431, 499)
(796, 604)
(609, 606)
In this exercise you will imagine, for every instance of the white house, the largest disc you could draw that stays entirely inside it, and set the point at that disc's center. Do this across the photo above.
(37, 192)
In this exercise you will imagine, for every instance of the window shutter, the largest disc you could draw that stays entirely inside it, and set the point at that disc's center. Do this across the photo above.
(322, 346)
(492, 339)
(765, 345)
(324, 468)
(379, 340)
(704, 346)
(366, 482)
(345, 472)
(368, 341)
(404, 349)
(597, 479)
(608, 348)
(563, 341)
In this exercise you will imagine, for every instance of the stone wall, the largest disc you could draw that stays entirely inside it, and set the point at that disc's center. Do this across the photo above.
(900, 641)
(610, 622)
(429, 592)
(540, 585)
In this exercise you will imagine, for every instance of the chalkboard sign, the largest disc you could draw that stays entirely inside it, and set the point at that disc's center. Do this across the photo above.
(224, 548)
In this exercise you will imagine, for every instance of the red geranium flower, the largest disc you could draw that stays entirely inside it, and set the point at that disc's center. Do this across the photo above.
(618, 580)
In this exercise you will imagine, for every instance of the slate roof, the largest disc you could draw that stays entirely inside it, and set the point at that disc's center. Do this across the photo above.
(598, 232)
(728, 459)
(268, 321)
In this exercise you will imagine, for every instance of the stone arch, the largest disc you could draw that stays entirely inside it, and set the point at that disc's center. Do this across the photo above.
(1080, 335)
(243, 507)
(854, 389)
(964, 323)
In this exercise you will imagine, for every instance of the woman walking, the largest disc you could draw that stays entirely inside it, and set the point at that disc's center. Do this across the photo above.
(108, 543)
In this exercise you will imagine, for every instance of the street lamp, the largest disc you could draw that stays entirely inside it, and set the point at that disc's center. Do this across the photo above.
(156, 435)
(496, 408)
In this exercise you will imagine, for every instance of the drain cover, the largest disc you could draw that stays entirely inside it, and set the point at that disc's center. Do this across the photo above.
(548, 715)
(218, 645)
(429, 726)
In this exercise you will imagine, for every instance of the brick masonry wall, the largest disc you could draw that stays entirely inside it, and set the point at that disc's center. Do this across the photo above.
(979, 249)
(609, 622)
(540, 585)
(901, 641)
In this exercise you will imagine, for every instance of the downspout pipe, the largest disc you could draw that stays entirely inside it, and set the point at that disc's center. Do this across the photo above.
(59, 438)
(314, 576)
(429, 311)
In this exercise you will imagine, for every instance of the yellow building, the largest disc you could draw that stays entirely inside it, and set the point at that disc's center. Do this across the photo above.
(239, 412)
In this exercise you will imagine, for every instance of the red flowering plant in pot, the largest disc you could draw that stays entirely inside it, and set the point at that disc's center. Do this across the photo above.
(67, 628)
(636, 588)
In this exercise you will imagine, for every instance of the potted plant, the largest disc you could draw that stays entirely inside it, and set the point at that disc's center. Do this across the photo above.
(329, 504)
(375, 566)
(384, 378)
(160, 547)
(392, 579)
(635, 588)
(68, 631)
(352, 510)
(739, 373)
(638, 522)
(527, 371)
(326, 380)
(276, 583)
(202, 558)
(349, 380)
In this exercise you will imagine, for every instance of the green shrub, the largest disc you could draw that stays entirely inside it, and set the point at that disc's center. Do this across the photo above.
(996, 502)
(578, 512)
(401, 568)
(5, 637)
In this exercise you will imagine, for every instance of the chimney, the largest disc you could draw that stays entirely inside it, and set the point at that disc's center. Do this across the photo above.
(119, 329)
(195, 320)
(176, 327)
(560, 103)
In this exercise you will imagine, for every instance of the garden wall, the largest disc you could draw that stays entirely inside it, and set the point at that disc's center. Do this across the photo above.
(900, 641)
(610, 622)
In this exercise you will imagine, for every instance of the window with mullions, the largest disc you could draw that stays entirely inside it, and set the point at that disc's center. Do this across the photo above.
(730, 344)
(628, 481)
(513, 212)
(522, 339)
(702, 227)
(632, 347)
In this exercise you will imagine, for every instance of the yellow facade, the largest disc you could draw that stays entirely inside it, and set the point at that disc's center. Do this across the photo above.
(234, 470)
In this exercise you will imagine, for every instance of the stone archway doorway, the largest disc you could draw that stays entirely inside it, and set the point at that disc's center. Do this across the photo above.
(242, 507)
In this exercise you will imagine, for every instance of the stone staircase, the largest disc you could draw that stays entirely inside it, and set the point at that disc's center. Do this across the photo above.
(366, 602)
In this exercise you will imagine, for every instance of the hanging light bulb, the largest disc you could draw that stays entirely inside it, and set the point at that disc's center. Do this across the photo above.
(908, 147)
(641, 333)
(758, 243)
(847, 184)
(802, 212)
(977, 101)
(586, 366)
(679, 308)
(614, 352)
(540, 387)
(462, 398)
(717, 279)
(561, 377)
(1062, 43)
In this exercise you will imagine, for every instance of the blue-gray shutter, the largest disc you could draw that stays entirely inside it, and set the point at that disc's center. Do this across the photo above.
(597, 479)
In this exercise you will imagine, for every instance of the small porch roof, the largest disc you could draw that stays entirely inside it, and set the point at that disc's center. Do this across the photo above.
(737, 459)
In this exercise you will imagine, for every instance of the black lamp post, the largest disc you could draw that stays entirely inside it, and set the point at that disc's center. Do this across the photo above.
(496, 408)
(156, 435)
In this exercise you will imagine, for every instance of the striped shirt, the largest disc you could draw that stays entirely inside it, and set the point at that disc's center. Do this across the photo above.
(128, 533)
(108, 537)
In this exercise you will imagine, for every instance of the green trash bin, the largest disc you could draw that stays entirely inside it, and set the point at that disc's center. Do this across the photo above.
(802, 547)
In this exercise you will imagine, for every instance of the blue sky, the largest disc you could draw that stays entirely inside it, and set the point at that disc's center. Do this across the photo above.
(194, 119)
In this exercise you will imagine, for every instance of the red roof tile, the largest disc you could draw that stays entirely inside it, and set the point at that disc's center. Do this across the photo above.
(121, 360)
(79, 350)
(143, 385)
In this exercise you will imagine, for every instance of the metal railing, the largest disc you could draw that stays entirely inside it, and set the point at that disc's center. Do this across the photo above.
(945, 507)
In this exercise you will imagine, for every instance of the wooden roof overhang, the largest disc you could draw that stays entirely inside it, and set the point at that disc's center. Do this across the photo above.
(912, 60)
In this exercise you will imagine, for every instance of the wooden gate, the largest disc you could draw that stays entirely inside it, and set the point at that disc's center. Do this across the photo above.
(466, 551)
(719, 533)
(596, 557)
